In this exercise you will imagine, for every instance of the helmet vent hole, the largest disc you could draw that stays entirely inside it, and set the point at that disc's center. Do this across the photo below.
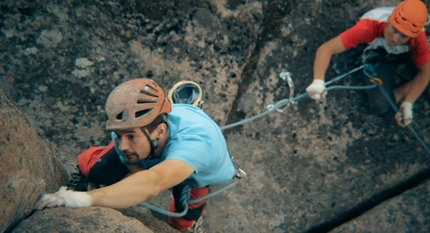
(150, 86)
(122, 115)
(143, 112)
(145, 101)
(148, 93)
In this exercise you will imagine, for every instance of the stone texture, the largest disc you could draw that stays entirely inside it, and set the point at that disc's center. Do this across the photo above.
(312, 162)
(87, 220)
(29, 165)
(305, 164)
(194, 42)
(147, 218)
(409, 212)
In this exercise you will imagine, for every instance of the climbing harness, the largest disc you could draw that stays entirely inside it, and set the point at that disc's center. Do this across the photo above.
(185, 200)
(185, 197)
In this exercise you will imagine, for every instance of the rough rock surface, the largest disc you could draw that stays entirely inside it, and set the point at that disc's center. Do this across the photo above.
(409, 212)
(29, 165)
(65, 48)
(59, 61)
(87, 220)
(146, 217)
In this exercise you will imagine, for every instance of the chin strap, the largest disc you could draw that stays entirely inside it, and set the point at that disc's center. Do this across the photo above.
(153, 143)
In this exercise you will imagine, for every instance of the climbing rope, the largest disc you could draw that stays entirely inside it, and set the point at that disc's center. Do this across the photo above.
(185, 201)
(371, 73)
(368, 70)
(380, 196)
(280, 106)
(283, 104)
(185, 196)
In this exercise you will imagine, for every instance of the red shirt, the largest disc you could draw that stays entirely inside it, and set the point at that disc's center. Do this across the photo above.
(369, 29)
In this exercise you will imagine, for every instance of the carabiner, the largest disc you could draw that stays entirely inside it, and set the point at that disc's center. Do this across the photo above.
(287, 77)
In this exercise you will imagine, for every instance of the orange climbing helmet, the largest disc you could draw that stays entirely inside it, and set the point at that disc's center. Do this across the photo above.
(135, 103)
(409, 17)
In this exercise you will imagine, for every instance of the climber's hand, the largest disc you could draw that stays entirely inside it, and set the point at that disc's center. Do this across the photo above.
(316, 90)
(63, 197)
(405, 115)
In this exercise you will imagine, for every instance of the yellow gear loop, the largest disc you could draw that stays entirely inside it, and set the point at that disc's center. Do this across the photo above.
(376, 80)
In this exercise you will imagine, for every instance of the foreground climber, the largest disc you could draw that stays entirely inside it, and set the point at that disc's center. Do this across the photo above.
(394, 36)
(162, 146)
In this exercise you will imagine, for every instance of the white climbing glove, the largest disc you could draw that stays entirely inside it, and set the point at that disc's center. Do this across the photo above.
(405, 115)
(316, 89)
(63, 197)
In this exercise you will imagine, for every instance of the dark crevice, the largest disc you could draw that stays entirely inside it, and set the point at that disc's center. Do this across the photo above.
(13, 226)
(273, 13)
(376, 199)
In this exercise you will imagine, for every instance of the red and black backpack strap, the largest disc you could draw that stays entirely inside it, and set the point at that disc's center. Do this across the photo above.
(100, 166)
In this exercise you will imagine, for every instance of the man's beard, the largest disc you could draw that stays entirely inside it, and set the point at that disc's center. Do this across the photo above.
(135, 158)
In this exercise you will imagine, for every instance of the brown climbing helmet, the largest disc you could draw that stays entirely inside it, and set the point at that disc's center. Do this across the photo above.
(135, 103)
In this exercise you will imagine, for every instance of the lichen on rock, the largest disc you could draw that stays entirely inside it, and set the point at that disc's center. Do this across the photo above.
(50, 38)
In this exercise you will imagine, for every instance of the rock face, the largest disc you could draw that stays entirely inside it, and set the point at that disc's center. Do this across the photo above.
(88, 220)
(91, 48)
(29, 165)
(304, 165)
(409, 212)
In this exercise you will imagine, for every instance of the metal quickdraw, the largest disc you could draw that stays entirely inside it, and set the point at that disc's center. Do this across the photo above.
(286, 76)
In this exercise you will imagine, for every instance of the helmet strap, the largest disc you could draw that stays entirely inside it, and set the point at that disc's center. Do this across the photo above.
(152, 143)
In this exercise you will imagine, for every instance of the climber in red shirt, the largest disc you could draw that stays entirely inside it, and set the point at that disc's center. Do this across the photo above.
(396, 34)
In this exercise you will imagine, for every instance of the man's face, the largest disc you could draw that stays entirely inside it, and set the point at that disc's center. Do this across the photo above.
(134, 145)
(393, 36)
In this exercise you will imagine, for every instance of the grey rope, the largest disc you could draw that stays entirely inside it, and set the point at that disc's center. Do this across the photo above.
(278, 105)
(213, 193)
(181, 214)
(369, 71)
(283, 104)
(164, 212)
(396, 109)
(286, 102)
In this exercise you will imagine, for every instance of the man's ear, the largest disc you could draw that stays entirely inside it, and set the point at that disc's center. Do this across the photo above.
(161, 130)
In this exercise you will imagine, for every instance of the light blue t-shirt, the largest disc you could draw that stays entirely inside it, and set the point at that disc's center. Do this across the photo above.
(197, 140)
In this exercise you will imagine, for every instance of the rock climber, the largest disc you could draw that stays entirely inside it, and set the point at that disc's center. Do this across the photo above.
(394, 36)
(163, 146)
